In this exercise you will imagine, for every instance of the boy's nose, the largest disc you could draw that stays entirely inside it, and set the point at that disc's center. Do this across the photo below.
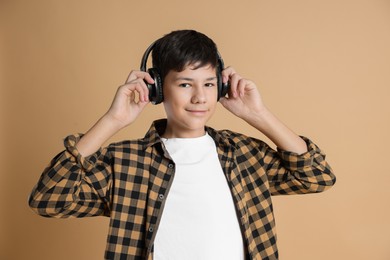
(198, 95)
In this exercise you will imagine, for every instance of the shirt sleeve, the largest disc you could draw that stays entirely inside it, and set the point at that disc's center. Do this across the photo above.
(73, 186)
(291, 173)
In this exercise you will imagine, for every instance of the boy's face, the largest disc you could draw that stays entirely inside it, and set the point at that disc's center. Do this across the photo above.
(190, 99)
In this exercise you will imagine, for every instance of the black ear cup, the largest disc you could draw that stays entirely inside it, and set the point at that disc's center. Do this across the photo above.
(223, 88)
(155, 90)
(219, 83)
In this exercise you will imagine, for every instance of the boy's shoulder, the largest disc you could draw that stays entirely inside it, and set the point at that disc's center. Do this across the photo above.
(234, 138)
(127, 146)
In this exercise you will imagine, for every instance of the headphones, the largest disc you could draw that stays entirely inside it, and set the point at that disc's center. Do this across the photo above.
(156, 90)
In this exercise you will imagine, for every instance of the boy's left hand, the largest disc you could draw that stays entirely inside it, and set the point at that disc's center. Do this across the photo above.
(243, 98)
(244, 101)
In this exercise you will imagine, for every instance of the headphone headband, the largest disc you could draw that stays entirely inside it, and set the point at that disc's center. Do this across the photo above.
(146, 55)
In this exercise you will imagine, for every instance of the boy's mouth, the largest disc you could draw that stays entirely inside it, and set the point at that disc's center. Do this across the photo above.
(197, 111)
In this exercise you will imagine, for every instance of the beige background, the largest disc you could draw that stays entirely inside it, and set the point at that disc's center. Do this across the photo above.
(322, 66)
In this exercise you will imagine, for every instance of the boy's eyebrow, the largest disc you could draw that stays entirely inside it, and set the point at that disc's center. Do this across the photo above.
(191, 79)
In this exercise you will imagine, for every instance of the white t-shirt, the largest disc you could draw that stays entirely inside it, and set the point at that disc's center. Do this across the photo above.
(199, 220)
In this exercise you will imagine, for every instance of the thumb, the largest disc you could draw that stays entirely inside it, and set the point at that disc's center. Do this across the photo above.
(224, 101)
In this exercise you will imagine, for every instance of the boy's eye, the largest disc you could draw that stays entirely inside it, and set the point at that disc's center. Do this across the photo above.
(209, 85)
(184, 85)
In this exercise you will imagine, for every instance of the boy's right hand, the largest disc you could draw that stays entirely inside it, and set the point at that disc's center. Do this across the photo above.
(130, 99)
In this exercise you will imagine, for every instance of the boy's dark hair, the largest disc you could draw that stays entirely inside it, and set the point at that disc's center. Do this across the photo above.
(181, 48)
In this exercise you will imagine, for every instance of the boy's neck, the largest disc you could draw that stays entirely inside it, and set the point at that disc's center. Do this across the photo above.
(181, 133)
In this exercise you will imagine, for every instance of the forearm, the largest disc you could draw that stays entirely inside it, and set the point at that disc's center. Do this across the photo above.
(97, 136)
(277, 131)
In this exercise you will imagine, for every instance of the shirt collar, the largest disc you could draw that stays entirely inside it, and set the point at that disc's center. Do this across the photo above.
(153, 135)
(157, 129)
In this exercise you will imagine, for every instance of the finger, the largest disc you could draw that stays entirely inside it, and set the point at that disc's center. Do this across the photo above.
(234, 79)
(139, 86)
(242, 83)
(226, 73)
(135, 99)
(142, 90)
(132, 96)
(137, 74)
(142, 105)
(227, 103)
(223, 101)
(149, 78)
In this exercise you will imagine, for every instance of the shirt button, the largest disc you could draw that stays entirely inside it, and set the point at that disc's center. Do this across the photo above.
(150, 229)
(161, 196)
(170, 166)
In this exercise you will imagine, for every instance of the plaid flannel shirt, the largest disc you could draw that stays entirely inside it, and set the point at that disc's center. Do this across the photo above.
(129, 181)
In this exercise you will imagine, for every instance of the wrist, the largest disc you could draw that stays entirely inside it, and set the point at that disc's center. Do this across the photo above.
(277, 132)
(258, 118)
(108, 121)
(97, 135)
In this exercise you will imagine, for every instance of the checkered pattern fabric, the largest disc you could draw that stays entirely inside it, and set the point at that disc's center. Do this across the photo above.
(129, 182)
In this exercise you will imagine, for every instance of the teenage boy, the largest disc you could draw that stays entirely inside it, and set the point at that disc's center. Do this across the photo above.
(185, 190)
